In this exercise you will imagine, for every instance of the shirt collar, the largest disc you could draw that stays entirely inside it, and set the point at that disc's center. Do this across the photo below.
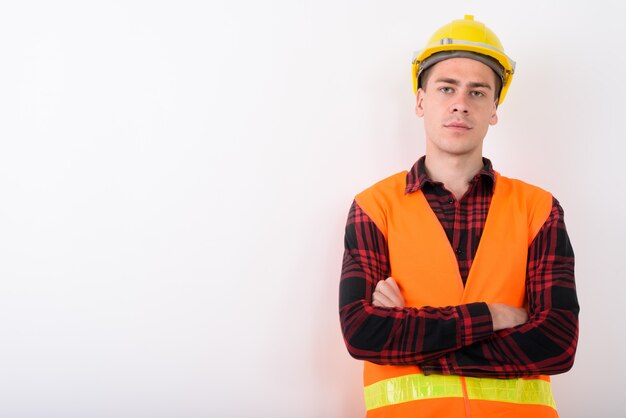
(417, 177)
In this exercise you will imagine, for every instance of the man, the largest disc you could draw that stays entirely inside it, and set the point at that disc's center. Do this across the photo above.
(457, 287)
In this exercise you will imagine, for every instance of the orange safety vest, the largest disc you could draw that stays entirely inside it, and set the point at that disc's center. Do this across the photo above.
(423, 264)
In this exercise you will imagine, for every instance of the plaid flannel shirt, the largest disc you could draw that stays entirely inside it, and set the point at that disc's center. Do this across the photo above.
(460, 339)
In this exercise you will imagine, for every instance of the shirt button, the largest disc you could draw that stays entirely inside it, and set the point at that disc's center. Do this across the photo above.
(458, 251)
(451, 201)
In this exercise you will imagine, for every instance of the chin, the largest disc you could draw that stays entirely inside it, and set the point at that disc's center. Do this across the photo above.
(458, 150)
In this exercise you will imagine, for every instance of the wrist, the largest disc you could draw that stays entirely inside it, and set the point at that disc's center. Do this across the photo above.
(475, 321)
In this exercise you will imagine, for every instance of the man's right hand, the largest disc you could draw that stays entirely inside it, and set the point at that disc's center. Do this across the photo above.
(506, 316)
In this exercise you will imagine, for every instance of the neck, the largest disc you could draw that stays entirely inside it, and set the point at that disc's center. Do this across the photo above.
(455, 172)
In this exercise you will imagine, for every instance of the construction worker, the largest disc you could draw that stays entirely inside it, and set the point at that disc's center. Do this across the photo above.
(457, 288)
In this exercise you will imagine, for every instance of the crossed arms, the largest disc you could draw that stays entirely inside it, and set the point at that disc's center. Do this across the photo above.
(475, 339)
(388, 295)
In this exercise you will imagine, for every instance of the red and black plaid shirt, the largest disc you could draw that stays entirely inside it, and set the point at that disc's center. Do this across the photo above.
(460, 339)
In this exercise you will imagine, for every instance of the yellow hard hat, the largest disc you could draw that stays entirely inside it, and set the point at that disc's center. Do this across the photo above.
(465, 38)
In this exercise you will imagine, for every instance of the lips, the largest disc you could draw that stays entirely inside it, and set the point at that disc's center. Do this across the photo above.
(457, 125)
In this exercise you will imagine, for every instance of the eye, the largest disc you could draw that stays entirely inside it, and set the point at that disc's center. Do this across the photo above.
(446, 90)
(476, 93)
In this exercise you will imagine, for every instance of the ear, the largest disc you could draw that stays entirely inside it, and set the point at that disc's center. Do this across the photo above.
(493, 119)
(419, 103)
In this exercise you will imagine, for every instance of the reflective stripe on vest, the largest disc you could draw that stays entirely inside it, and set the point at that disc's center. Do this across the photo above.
(417, 387)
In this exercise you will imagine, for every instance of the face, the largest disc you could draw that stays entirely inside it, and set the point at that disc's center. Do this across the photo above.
(458, 104)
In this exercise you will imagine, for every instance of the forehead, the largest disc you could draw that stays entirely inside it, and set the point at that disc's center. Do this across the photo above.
(463, 70)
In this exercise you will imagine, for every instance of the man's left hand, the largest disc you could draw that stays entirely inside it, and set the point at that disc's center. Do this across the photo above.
(387, 294)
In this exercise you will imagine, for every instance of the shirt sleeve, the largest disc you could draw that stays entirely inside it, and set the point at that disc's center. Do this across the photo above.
(546, 344)
(391, 335)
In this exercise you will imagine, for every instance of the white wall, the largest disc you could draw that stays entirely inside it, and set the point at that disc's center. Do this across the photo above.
(175, 178)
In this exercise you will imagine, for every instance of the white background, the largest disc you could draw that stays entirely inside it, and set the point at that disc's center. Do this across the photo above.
(175, 178)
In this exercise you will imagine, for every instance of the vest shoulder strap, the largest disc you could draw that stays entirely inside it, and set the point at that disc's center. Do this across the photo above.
(377, 200)
(536, 201)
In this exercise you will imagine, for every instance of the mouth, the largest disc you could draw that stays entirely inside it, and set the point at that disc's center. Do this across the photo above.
(457, 126)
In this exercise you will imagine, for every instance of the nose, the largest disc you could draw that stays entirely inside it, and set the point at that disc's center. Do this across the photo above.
(459, 105)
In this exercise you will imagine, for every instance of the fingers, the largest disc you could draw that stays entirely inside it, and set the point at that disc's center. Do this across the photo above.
(394, 285)
(391, 292)
(506, 316)
(387, 294)
(381, 300)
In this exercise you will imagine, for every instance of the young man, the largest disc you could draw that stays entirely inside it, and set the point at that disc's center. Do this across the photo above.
(457, 287)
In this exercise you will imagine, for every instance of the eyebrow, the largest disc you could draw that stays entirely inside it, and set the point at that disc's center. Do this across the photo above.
(454, 82)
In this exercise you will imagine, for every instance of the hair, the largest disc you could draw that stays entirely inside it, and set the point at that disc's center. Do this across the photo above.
(422, 80)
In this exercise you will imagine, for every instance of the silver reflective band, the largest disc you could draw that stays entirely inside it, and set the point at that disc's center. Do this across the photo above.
(450, 41)
(433, 59)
